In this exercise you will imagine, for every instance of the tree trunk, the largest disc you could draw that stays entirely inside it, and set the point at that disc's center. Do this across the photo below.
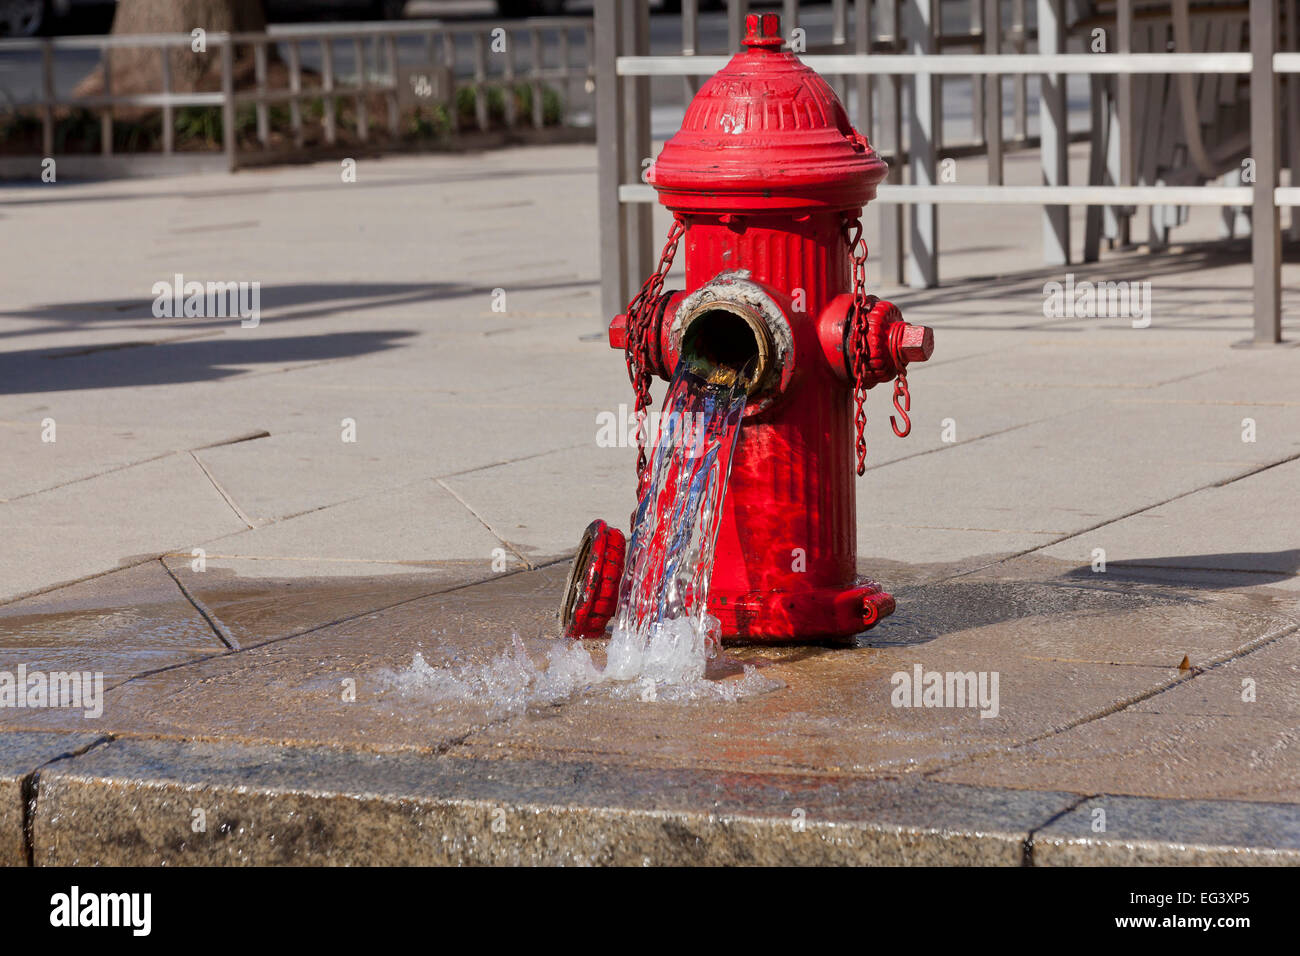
(139, 70)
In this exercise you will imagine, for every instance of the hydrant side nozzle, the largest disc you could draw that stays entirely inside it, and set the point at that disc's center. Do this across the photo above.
(660, 361)
(591, 592)
(618, 332)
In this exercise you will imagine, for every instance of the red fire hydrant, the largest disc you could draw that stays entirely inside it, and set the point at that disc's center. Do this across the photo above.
(766, 181)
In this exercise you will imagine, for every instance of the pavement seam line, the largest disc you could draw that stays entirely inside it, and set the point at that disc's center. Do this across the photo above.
(29, 790)
(384, 490)
(1122, 705)
(446, 487)
(239, 512)
(1109, 521)
(342, 620)
(143, 461)
(214, 622)
(81, 580)
(1034, 831)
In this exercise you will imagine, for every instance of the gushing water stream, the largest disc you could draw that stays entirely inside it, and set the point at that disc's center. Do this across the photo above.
(663, 630)
(664, 636)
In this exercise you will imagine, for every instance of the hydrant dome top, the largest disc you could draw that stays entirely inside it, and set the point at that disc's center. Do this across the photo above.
(766, 133)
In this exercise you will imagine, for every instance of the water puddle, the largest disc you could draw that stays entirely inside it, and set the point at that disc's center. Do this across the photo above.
(665, 644)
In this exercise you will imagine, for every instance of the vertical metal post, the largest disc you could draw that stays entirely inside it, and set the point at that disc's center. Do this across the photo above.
(47, 96)
(636, 131)
(993, 92)
(295, 87)
(168, 115)
(1052, 125)
(1265, 239)
(539, 106)
(394, 115)
(508, 81)
(449, 61)
(609, 159)
(1124, 107)
(106, 117)
(690, 43)
(862, 82)
(978, 86)
(839, 40)
(259, 75)
(228, 101)
(923, 219)
(1019, 85)
(736, 10)
(891, 119)
(330, 114)
(480, 81)
(1293, 110)
(363, 114)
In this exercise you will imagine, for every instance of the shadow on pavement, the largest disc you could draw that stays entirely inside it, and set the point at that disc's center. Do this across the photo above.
(1264, 567)
(135, 364)
(293, 302)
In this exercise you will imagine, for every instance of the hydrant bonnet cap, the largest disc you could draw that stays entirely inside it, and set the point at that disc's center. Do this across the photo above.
(766, 133)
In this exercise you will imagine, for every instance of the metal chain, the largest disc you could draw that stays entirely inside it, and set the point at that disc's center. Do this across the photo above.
(859, 347)
(902, 395)
(640, 327)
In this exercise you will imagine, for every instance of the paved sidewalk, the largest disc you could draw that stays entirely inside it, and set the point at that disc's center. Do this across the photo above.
(202, 532)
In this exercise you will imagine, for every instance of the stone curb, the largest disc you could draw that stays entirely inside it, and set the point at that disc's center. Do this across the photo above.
(148, 802)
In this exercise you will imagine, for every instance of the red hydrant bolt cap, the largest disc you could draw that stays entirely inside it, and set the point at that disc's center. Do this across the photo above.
(763, 31)
(918, 343)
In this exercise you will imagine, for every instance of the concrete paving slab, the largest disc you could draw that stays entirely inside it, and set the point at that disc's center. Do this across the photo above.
(1263, 683)
(542, 504)
(1079, 620)
(21, 754)
(1238, 526)
(1140, 832)
(258, 600)
(290, 474)
(137, 802)
(119, 624)
(29, 465)
(414, 524)
(1060, 476)
(1211, 757)
(833, 715)
(96, 525)
(336, 684)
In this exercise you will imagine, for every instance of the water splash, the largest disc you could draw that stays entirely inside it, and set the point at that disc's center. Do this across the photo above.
(663, 631)
(664, 638)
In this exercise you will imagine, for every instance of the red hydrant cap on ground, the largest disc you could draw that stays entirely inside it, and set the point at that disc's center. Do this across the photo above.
(766, 133)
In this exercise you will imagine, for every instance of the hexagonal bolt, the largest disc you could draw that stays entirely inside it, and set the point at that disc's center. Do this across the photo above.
(918, 343)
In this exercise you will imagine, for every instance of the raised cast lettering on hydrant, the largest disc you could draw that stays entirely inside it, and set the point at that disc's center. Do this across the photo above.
(766, 181)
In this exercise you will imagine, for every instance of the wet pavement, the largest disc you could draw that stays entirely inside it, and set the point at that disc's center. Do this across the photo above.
(1078, 522)
(302, 745)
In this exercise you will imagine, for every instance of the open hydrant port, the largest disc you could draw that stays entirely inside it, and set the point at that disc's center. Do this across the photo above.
(728, 342)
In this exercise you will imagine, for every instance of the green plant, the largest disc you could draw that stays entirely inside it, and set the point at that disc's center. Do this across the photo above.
(199, 125)
(80, 126)
(552, 107)
(428, 122)
(495, 97)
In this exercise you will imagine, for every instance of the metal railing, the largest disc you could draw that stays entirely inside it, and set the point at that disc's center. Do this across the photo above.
(623, 64)
(378, 71)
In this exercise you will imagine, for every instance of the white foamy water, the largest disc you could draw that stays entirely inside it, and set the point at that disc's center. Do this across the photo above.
(664, 638)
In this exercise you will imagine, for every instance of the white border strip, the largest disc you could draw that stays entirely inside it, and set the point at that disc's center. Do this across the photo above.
(969, 64)
(1046, 195)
